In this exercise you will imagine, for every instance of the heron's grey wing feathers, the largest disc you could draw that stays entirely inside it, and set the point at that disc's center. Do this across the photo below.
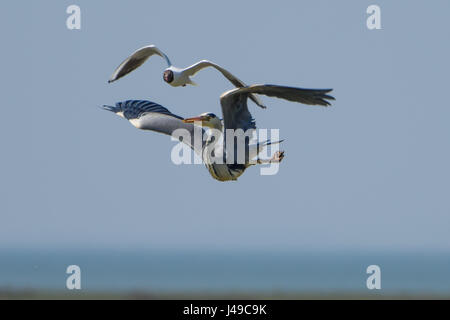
(192, 70)
(136, 60)
(234, 102)
(146, 115)
(305, 96)
(235, 112)
(135, 109)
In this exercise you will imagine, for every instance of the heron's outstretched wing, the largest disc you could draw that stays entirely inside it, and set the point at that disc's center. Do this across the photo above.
(234, 102)
(192, 70)
(148, 115)
(136, 60)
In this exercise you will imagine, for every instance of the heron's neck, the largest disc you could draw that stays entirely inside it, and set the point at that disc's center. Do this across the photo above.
(214, 133)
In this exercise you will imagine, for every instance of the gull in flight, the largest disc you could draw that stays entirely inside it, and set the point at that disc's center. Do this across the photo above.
(172, 75)
(151, 116)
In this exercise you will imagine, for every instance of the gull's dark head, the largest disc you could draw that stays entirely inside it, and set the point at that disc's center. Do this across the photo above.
(168, 76)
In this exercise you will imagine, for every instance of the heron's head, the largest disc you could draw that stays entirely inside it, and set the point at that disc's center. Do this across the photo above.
(207, 119)
(168, 76)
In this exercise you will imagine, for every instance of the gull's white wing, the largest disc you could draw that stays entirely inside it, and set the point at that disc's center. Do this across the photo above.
(147, 115)
(136, 60)
(192, 70)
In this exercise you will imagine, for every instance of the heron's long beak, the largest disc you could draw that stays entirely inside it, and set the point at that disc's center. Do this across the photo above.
(194, 119)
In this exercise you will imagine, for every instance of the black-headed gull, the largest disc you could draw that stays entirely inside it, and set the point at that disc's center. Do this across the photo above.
(172, 75)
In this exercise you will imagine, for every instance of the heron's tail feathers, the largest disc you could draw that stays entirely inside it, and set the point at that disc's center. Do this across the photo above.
(111, 108)
(117, 109)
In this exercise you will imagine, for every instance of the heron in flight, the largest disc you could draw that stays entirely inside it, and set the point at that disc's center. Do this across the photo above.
(172, 75)
(148, 115)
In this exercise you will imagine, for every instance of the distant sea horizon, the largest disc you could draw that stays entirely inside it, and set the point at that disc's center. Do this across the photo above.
(226, 270)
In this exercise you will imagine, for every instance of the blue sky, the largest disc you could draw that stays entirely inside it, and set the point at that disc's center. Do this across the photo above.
(371, 172)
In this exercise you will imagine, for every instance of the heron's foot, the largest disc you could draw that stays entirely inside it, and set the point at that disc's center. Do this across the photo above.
(277, 157)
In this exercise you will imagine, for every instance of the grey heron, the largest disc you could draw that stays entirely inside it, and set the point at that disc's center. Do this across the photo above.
(172, 75)
(148, 115)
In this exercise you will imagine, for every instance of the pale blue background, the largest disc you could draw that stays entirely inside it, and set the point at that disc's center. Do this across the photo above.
(370, 173)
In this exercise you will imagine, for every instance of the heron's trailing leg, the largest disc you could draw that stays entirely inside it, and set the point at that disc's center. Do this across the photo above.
(277, 157)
